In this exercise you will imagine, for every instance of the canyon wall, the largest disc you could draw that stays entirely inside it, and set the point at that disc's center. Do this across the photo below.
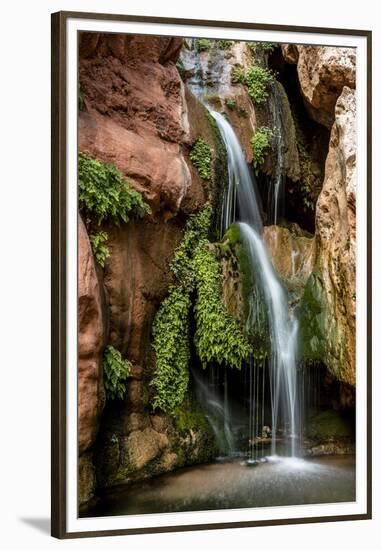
(138, 114)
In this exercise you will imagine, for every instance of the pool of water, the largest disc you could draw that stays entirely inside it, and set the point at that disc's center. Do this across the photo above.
(234, 484)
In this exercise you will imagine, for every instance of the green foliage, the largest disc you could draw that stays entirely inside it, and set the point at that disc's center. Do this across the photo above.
(255, 315)
(257, 80)
(313, 319)
(188, 417)
(267, 47)
(105, 193)
(201, 156)
(329, 425)
(100, 249)
(231, 104)
(204, 44)
(171, 345)
(225, 44)
(238, 75)
(197, 229)
(260, 143)
(218, 336)
(116, 371)
(308, 179)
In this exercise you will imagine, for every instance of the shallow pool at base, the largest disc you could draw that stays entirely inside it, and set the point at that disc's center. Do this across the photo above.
(277, 482)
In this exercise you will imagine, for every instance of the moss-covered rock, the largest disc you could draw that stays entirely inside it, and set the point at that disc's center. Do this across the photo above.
(329, 425)
(241, 294)
(313, 322)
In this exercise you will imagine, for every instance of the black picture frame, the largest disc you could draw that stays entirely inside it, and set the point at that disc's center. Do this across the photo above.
(59, 259)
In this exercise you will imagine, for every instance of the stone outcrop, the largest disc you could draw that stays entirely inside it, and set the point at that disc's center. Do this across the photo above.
(91, 342)
(293, 255)
(336, 238)
(135, 114)
(212, 71)
(332, 286)
(323, 72)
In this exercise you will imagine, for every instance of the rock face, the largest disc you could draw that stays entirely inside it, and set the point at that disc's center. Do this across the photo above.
(138, 116)
(91, 341)
(323, 72)
(336, 238)
(212, 71)
(293, 255)
(135, 114)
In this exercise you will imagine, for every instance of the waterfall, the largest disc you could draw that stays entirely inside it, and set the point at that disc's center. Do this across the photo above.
(283, 327)
(269, 301)
(241, 190)
(277, 184)
(216, 411)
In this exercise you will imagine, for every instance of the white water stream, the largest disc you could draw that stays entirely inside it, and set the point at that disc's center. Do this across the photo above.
(283, 327)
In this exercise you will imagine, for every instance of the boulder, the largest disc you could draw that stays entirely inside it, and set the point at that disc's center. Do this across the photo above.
(143, 446)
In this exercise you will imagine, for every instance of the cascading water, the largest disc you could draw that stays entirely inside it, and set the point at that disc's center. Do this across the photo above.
(277, 184)
(283, 328)
(241, 204)
(241, 191)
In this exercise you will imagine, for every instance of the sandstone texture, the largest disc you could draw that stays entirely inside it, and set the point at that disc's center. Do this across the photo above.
(91, 342)
(138, 116)
(293, 255)
(322, 72)
(336, 239)
(135, 114)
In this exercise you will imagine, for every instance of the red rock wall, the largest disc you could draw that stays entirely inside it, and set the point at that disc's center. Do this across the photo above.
(136, 117)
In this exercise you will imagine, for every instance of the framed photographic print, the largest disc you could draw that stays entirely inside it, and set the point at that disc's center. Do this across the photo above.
(211, 305)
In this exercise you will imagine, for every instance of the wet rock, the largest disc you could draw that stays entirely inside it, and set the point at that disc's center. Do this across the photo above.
(213, 70)
(293, 254)
(332, 449)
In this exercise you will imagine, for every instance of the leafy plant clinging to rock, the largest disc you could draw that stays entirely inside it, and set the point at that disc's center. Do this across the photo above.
(105, 193)
(201, 156)
(116, 371)
(257, 80)
(225, 44)
(260, 143)
(100, 249)
(218, 336)
(204, 44)
(171, 346)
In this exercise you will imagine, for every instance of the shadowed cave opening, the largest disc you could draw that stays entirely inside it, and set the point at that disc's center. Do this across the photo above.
(226, 397)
